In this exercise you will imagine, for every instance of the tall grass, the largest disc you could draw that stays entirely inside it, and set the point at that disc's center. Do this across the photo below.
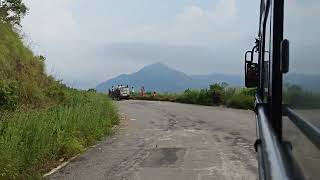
(29, 140)
(241, 101)
(41, 119)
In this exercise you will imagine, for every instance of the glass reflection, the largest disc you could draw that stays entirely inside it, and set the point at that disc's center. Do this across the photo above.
(302, 84)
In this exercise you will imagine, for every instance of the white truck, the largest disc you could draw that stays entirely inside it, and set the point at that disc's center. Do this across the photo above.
(122, 92)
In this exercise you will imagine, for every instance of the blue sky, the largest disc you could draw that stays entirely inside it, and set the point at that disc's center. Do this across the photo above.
(87, 42)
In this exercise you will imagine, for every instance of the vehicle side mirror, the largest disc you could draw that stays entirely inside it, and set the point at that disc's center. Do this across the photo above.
(251, 71)
(284, 56)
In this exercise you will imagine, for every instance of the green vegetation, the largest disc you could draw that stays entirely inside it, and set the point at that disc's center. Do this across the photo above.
(23, 79)
(241, 101)
(41, 120)
(171, 97)
(216, 94)
(32, 141)
(12, 11)
(240, 98)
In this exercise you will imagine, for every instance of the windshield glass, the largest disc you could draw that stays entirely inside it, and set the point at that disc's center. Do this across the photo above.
(301, 85)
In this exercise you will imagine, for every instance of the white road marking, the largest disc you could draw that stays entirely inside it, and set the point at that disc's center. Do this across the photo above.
(59, 167)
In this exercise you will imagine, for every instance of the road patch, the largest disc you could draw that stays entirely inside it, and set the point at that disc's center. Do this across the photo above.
(164, 157)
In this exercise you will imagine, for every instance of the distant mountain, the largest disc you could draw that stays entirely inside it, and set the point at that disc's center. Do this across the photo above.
(161, 78)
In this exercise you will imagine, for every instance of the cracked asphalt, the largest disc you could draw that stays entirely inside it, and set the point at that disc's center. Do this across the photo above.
(171, 141)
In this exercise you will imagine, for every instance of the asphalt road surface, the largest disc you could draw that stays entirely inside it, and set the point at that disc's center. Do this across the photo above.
(171, 141)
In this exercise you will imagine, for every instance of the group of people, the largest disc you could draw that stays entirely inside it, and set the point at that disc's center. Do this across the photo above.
(142, 92)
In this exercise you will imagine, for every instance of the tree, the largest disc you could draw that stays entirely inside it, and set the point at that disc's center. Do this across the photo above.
(12, 11)
(42, 58)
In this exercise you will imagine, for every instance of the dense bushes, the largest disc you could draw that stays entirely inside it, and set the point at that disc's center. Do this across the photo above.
(8, 95)
(31, 141)
(241, 101)
(216, 94)
(189, 96)
(220, 94)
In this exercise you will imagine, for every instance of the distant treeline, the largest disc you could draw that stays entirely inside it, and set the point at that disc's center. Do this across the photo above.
(216, 94)
(241, 98)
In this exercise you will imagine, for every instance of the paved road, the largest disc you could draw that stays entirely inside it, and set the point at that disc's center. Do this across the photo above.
(169, 141)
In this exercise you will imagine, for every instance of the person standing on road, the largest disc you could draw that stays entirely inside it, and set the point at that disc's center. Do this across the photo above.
(142, 91)
(132, 90)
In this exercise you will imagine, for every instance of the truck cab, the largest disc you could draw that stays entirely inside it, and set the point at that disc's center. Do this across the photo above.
(121, 92)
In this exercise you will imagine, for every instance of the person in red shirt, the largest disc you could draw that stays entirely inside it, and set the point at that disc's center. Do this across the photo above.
(142, 91)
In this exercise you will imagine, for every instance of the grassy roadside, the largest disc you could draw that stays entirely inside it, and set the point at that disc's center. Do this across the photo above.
(41, 119)
(32, 140)
(216, 94)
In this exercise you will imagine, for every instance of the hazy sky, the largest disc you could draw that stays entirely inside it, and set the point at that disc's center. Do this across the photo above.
(87, 42)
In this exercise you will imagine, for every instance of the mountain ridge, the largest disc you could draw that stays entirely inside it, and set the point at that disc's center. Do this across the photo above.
(162, 78)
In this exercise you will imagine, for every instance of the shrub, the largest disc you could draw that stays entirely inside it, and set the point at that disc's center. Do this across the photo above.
(248, 91)
(241, 101)
(229, 92)
(189, 97)
(205, 97)
(92, 90)
(8, 95)
(56, 92)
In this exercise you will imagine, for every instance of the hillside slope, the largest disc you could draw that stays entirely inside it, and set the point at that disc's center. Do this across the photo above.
(23, 78)
(43, 122)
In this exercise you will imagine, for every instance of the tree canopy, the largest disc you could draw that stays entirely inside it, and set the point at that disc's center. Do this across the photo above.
(12, 11)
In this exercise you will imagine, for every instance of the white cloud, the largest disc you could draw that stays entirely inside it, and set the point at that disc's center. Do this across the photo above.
(70, 37)
(49, 21)
(301, 28)
(195, 26)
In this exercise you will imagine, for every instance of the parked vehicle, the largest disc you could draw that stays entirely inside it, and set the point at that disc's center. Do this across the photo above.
(121, 92)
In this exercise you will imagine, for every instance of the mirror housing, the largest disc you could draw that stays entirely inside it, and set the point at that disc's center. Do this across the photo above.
(251, 74)
(251, 70)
